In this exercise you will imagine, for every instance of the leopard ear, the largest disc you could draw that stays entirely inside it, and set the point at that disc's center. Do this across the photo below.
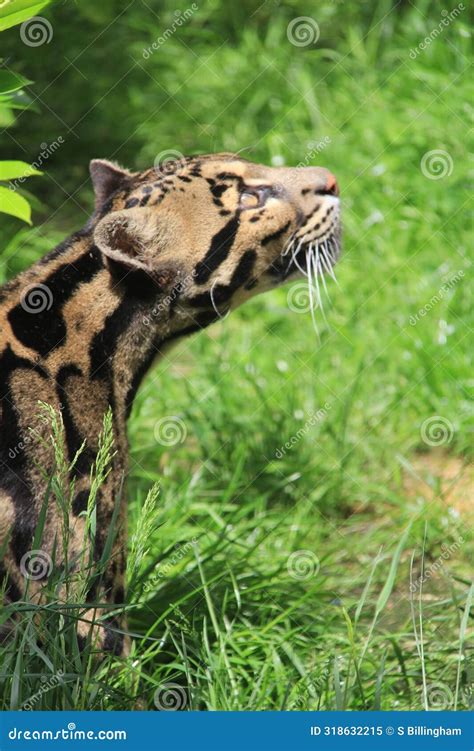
(139, 238)
(107, 177)
(126, 236)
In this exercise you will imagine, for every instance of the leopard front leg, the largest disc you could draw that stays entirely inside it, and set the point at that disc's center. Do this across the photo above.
(106, 632)
(105, 623)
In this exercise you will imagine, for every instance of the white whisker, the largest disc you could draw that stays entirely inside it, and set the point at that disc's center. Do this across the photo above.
(331, 246)
(289, 245)
(294, 257)
(331, 266)
(325, 256)
(310, 290)
(315, 261)
(211, 294)
(319, 265)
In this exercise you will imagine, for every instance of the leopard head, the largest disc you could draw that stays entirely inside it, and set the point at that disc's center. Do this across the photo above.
(212, 231)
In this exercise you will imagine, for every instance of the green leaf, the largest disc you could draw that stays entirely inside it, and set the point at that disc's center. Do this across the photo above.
(337, 686)
(462, 636)
(15, 96)
(13, 12)
(7, 118)
(14, 204)
(12, 170)
(388, 586)
(10, 81)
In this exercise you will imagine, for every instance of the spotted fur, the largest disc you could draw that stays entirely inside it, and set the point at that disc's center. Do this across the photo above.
(166, 252)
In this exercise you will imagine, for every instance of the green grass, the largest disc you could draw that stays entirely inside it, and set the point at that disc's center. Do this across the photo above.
(221, 611)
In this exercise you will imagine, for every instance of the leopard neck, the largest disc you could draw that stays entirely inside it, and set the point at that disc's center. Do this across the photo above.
(79, 334)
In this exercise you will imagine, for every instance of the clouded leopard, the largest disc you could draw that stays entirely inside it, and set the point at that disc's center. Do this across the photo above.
(166, 252)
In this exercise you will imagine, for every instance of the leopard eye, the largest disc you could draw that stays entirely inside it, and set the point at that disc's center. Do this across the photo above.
(254, 198)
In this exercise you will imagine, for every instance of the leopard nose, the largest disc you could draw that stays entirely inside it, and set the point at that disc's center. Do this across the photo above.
(331, 186)
(322, 181)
